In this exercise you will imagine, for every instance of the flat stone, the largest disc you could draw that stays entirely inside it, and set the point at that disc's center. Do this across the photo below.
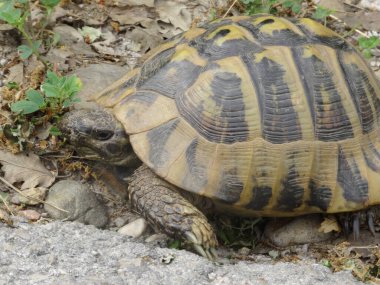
(78, 201)
(95, 78)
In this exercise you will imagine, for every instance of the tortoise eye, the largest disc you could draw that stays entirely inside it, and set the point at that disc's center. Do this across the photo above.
(103, 135)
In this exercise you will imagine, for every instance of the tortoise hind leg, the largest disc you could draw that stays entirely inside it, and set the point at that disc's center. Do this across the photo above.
(353, 220)
(163, 207)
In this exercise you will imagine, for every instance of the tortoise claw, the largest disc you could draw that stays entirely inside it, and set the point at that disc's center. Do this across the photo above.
(356, 225)
(209, 252)
(350, 222)
(371, 225)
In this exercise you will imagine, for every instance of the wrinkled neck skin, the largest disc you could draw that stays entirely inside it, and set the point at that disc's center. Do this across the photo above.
(98, 135)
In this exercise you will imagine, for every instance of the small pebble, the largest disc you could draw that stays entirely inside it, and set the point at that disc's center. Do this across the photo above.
(134, 229)
(3, 61)
(31, 215)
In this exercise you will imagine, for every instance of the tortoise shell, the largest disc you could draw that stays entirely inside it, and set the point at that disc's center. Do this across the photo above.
(271, 116)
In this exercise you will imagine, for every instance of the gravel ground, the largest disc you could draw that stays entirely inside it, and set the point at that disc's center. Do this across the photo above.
(72, 253)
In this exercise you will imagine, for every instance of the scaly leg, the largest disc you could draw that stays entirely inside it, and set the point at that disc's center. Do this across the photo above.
(161, 204)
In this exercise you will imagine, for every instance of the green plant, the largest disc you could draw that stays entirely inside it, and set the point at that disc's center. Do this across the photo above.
(268, 6)
(258, 6)
(321, 13)
(56, 94)
(366, 44)
(294, 5)
(17, 14)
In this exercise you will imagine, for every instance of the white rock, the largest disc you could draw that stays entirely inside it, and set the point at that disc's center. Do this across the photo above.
(134, 229)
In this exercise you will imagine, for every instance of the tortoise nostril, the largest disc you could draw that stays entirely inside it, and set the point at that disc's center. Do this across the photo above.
(114, 148)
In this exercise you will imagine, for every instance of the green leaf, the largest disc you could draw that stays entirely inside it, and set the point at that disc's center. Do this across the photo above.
(24, 107)
(321, 13)
(176, 244)
(56, 39)
(9, 13)
(296, 8)
(13, 85)
(36, 97)
(52, 78)
(367, 53)
(50, 3)
(24, 51)
(54, 131)
(369, 43)
(51, 91)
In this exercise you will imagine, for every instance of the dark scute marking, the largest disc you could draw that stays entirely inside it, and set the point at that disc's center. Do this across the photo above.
(372, 157)
(320, 196)
(186, 73)
(229, 125)
(230, 187)
(234, 47)
(291, 193)
(260, 197)
(157, 139)
(280, 120)
(306, 84)
(198, 173)
(254, 74)
(355, 187)
(222, 33)
(284, 37)
(151, 66)
(265, 22)
(333, 42)
(358, 82)
(331, 120)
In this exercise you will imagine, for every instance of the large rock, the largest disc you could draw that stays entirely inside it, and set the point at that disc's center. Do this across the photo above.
(80, 204)
(71, 253)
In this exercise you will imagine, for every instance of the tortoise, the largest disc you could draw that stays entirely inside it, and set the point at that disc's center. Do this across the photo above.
(257, 115)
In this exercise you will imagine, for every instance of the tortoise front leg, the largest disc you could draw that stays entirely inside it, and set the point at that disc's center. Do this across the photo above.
(165, 208)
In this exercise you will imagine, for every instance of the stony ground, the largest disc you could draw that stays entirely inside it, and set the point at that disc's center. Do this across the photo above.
(71, 253)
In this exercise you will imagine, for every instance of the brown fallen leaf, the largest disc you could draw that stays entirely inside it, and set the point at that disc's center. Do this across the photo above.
(329, 224)
(25, 168)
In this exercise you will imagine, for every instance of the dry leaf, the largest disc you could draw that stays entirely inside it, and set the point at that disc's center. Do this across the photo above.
(25, 168)
(329, 224)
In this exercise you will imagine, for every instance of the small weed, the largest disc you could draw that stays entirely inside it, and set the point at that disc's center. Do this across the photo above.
(321, 13)
(294, 5)
(366, 44)
(238, 232)
(56, 94)
(270, 6)
(259, 6)
(17, 14)
(40, 107)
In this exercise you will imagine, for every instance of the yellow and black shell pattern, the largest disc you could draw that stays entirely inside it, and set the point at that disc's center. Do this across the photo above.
(267, 116)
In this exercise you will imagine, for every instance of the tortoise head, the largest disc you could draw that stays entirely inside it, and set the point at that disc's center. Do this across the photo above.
(98, 135)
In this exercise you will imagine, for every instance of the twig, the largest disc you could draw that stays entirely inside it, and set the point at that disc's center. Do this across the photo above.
(29, 197)
(6, 205)
(229, 9)
(356, 30)
(344, 23)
